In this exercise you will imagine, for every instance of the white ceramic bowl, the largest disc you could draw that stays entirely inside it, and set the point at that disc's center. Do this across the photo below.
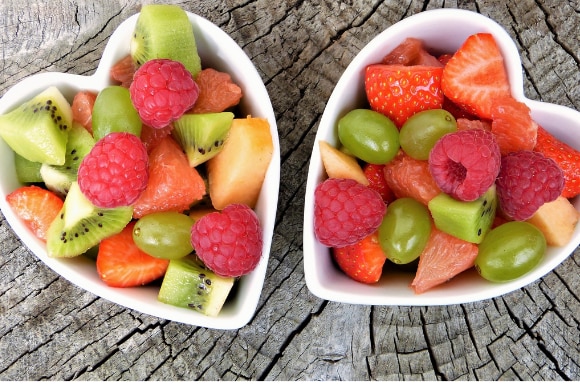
(442, 30)
(216, 50)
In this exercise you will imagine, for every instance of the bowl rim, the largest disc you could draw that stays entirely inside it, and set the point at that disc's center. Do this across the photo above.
(238, 311)
(322, 278)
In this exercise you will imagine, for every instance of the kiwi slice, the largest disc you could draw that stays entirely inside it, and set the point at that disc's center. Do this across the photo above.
(27, 171)
(164, 31)
(202, 135)
(80, 225)
(469, 221)
(189, 284)
(37, 129)
(58, 178)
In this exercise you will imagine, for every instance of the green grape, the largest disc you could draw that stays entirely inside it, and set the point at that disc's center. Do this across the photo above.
(510, 251)
(422, 130)
(405, 230)
(114, 112)
(368, 135)
(164, 234)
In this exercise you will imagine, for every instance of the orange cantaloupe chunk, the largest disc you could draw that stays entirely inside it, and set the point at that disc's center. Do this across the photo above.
(237, 172)
(340, 165)
(556, 220)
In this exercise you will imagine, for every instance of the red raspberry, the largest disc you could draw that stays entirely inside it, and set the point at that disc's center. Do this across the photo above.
(345, 212)
(161, 91)
(464, 164)
(115, 171)
(527, 180)
(229, 243)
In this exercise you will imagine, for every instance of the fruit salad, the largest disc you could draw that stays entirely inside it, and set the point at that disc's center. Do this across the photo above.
(154, 176)
(443, 171)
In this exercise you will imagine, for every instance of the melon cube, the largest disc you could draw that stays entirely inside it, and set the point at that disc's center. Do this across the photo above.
(237, 172)
(340, 165)
(556, 220)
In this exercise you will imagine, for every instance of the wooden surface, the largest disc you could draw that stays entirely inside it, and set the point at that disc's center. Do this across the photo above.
(52, 330)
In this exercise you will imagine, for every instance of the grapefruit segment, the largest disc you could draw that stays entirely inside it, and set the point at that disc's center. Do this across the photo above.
(82, 108)
(408, 177)
(443, 258)
(173, 184)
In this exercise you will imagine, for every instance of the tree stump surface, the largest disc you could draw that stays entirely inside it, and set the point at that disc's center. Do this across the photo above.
(52, 330)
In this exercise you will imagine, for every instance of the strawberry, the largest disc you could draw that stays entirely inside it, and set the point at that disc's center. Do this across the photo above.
(444, 58)
(565, 156)
(449, 105)
(375, 174)
(36, 207)
(457, 111)
(362, 261)
(399, 91)
(475, 75)
(121, 264)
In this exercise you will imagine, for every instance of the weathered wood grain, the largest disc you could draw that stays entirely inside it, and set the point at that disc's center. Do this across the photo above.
(52, 330)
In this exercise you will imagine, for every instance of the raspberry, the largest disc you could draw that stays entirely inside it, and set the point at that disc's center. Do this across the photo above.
(115, 171)
(527, 180)
(345, 212)
(464, 164)
(229, 243)
(161, 91)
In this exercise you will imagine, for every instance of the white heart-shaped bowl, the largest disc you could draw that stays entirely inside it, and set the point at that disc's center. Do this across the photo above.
(217, 50)
(442, 30)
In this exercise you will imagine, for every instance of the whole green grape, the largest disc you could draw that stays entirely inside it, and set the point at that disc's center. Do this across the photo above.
(368, 135)
(422, 130)
(164, 234)
(405, 230)
(509, 251)
(114, 112)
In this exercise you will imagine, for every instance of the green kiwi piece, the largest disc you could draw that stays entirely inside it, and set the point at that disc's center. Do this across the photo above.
(189, 284)
(164, 31)
(27, 171)
(80, 225)
(37, 129)
(58, 178)
(202, 135)
(469, 221)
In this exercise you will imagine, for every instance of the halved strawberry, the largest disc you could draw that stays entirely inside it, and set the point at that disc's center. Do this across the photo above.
(36, 206)
(456, 110)
(375, 174)
(121, 264)
(362, 261)
(565, 156)
(512, 125)
(475, 75)
(443, 258)
(399, 91)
